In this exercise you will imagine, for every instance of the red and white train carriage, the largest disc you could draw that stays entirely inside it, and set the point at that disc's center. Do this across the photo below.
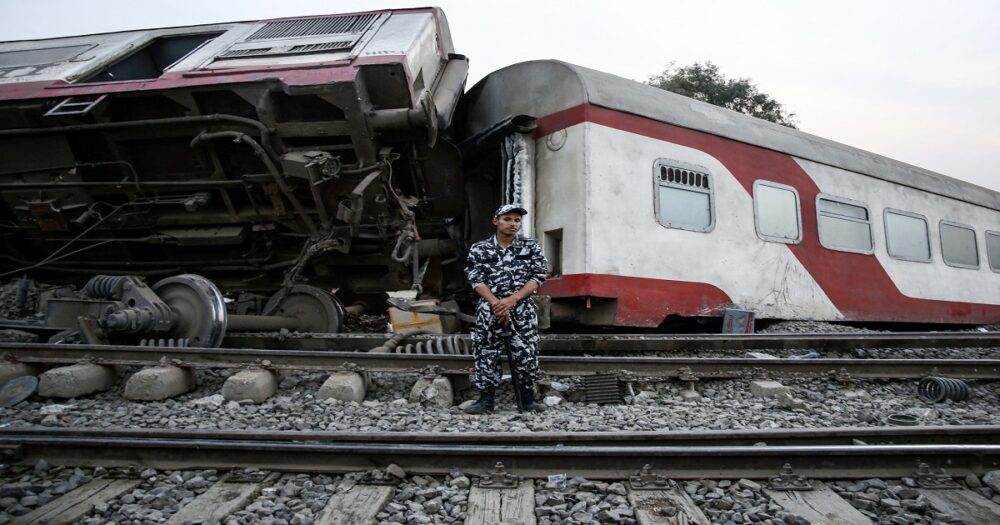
(654, 205)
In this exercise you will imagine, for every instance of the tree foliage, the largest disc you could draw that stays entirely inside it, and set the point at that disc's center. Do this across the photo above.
(704, 82)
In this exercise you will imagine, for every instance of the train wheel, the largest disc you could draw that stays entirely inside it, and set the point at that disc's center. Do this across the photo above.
(317, 310)
(200, 309)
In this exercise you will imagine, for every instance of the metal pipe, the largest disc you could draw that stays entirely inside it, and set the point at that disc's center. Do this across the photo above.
(151, 184)
(265, 132)
(268, 163)
(242, 323)
(255, 263)
(324, 217)
(449, 89)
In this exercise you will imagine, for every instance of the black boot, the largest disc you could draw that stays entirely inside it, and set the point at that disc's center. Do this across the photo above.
(485, 403)
(528, 399)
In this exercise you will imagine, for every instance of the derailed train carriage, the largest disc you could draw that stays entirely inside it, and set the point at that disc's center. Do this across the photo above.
(281, 160)
(229, 165)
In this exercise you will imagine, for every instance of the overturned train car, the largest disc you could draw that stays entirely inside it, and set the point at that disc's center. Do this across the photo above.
(257, 155)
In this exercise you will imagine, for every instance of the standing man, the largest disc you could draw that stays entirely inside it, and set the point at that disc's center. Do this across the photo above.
(505, 270)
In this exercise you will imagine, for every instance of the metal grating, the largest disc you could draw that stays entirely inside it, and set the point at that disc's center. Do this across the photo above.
(340, 45)
(325, 46)
(603, 389)
(684, 177)
(240, 53)
(329, 25)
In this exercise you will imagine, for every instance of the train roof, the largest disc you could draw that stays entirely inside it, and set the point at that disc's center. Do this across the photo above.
(543, 87)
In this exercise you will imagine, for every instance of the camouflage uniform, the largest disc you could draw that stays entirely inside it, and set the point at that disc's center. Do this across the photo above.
(505, 271)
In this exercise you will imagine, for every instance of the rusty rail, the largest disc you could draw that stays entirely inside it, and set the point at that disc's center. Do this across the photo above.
(461, 364)
(607, 343)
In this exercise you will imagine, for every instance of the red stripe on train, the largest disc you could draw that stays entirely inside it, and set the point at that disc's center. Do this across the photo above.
(857, 284)
(642, 302)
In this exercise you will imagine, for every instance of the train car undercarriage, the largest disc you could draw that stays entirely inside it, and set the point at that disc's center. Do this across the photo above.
(161, 202)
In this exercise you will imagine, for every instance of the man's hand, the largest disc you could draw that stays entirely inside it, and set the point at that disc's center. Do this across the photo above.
(502, 307)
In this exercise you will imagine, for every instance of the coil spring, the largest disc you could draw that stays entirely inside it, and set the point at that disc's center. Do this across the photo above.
(179, 342)
(444, 345)
(103, 286)
(937, 389)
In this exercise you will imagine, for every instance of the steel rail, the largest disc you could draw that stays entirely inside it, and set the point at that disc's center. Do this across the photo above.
(601, 343)
(916, 435)
(462, 364)
(599, 462)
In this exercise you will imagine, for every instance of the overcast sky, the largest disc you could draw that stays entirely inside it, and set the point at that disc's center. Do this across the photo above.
(916, 80)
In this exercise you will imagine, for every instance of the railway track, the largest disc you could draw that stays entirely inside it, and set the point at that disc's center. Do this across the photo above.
(607, 343)
(850, 453)
(557, 365)
(644, 474)
(676, 461)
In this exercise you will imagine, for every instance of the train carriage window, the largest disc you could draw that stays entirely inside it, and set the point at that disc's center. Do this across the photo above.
(958, 245)
(777, 214)
(683, 196)
(844, 224)
(906, 236)
(993, 250)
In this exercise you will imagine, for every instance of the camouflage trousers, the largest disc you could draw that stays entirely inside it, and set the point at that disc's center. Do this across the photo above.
(488, 345)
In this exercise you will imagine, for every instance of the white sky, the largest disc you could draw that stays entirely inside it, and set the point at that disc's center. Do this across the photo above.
(916, 80)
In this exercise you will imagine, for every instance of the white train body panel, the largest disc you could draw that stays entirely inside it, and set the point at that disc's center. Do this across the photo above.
(933, 280)
(624, 237)
(562, 194)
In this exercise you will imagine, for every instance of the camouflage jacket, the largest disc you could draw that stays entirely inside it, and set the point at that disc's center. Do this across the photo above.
(505, 271)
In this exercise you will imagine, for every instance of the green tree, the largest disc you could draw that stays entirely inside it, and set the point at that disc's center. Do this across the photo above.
(704, 82)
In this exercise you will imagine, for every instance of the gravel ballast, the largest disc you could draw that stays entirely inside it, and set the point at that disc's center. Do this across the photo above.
(299, 499)
(724, 404)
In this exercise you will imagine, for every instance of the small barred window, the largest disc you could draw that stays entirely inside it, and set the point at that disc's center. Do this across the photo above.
(683, 197)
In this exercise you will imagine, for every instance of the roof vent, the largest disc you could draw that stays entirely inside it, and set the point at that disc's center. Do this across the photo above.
(328, 25)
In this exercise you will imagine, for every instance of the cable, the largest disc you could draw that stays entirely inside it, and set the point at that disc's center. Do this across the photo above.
(74, 252)
(52, 256)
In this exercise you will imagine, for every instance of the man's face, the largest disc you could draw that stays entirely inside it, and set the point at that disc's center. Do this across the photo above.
(508, 223)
